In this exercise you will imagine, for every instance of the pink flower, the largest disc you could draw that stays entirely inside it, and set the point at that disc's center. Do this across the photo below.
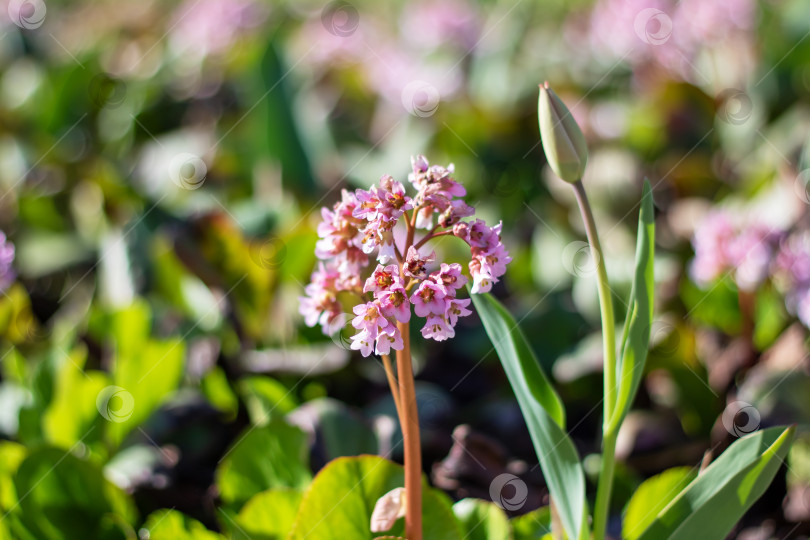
(449, 278)
(480, 235)
(394, 303)
(363, 342)
(387, 202)
(383, 279)
(390, 339)
(340, 235)
(428, 298)
(482, 280)
(369, 319)
(489, 257)
(416, 264)
(436, 327)
(457, 308)
(320, 305)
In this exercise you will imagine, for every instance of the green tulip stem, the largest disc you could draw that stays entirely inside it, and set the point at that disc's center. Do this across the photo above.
(609, 341)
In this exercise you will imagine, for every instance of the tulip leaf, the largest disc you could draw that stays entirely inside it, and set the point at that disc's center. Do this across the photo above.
(542, 410)
(651, 497)
(714, 502)
(636, 337)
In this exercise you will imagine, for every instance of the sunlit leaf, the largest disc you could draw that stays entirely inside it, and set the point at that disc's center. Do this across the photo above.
(482, 520)
(339, 503)
(633, 352)
(174, 525)
(714, 502)
(68, 498)
(542, 410)
(268, 515)
(264, 457)
(651, 497)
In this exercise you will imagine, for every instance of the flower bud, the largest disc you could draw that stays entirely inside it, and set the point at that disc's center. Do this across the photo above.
(563, 141)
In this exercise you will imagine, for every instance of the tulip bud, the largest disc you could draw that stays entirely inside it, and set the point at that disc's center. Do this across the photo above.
(563, 141)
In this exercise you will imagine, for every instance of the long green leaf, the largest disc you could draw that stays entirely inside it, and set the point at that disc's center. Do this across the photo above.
(543, 411)
(636, 339)
(652, 496)
(714, 502)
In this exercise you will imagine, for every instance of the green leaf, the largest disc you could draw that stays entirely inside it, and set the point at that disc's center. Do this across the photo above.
(341, 498)
(266, 457)
(216, 389)
(651, 497)
(67, 498)
(72, 414)
(151, 375)
(11, 455)
(265, 399)
(636, 338)
(715, 501)
(482, 520)
(174, 525)
(533, 525)
(268, 515)
(543, 411)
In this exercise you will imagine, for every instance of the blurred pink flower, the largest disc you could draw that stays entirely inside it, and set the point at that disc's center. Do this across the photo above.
(203, 27)
(667, 32)
(792, 269)
(406, 64)
(7, 274)
(431, 24)
(722, 247)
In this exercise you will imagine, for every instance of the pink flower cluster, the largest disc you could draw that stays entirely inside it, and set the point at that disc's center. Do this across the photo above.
(722, 247)
(384, 222)
(754, 253)
(671, 32)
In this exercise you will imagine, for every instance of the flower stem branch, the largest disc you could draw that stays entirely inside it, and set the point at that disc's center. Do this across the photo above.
(609, 342)
(422, 242)
(410, 433)
(393, 384)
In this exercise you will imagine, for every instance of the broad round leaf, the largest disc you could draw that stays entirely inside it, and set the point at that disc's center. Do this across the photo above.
(341, 498)
(264, 457)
